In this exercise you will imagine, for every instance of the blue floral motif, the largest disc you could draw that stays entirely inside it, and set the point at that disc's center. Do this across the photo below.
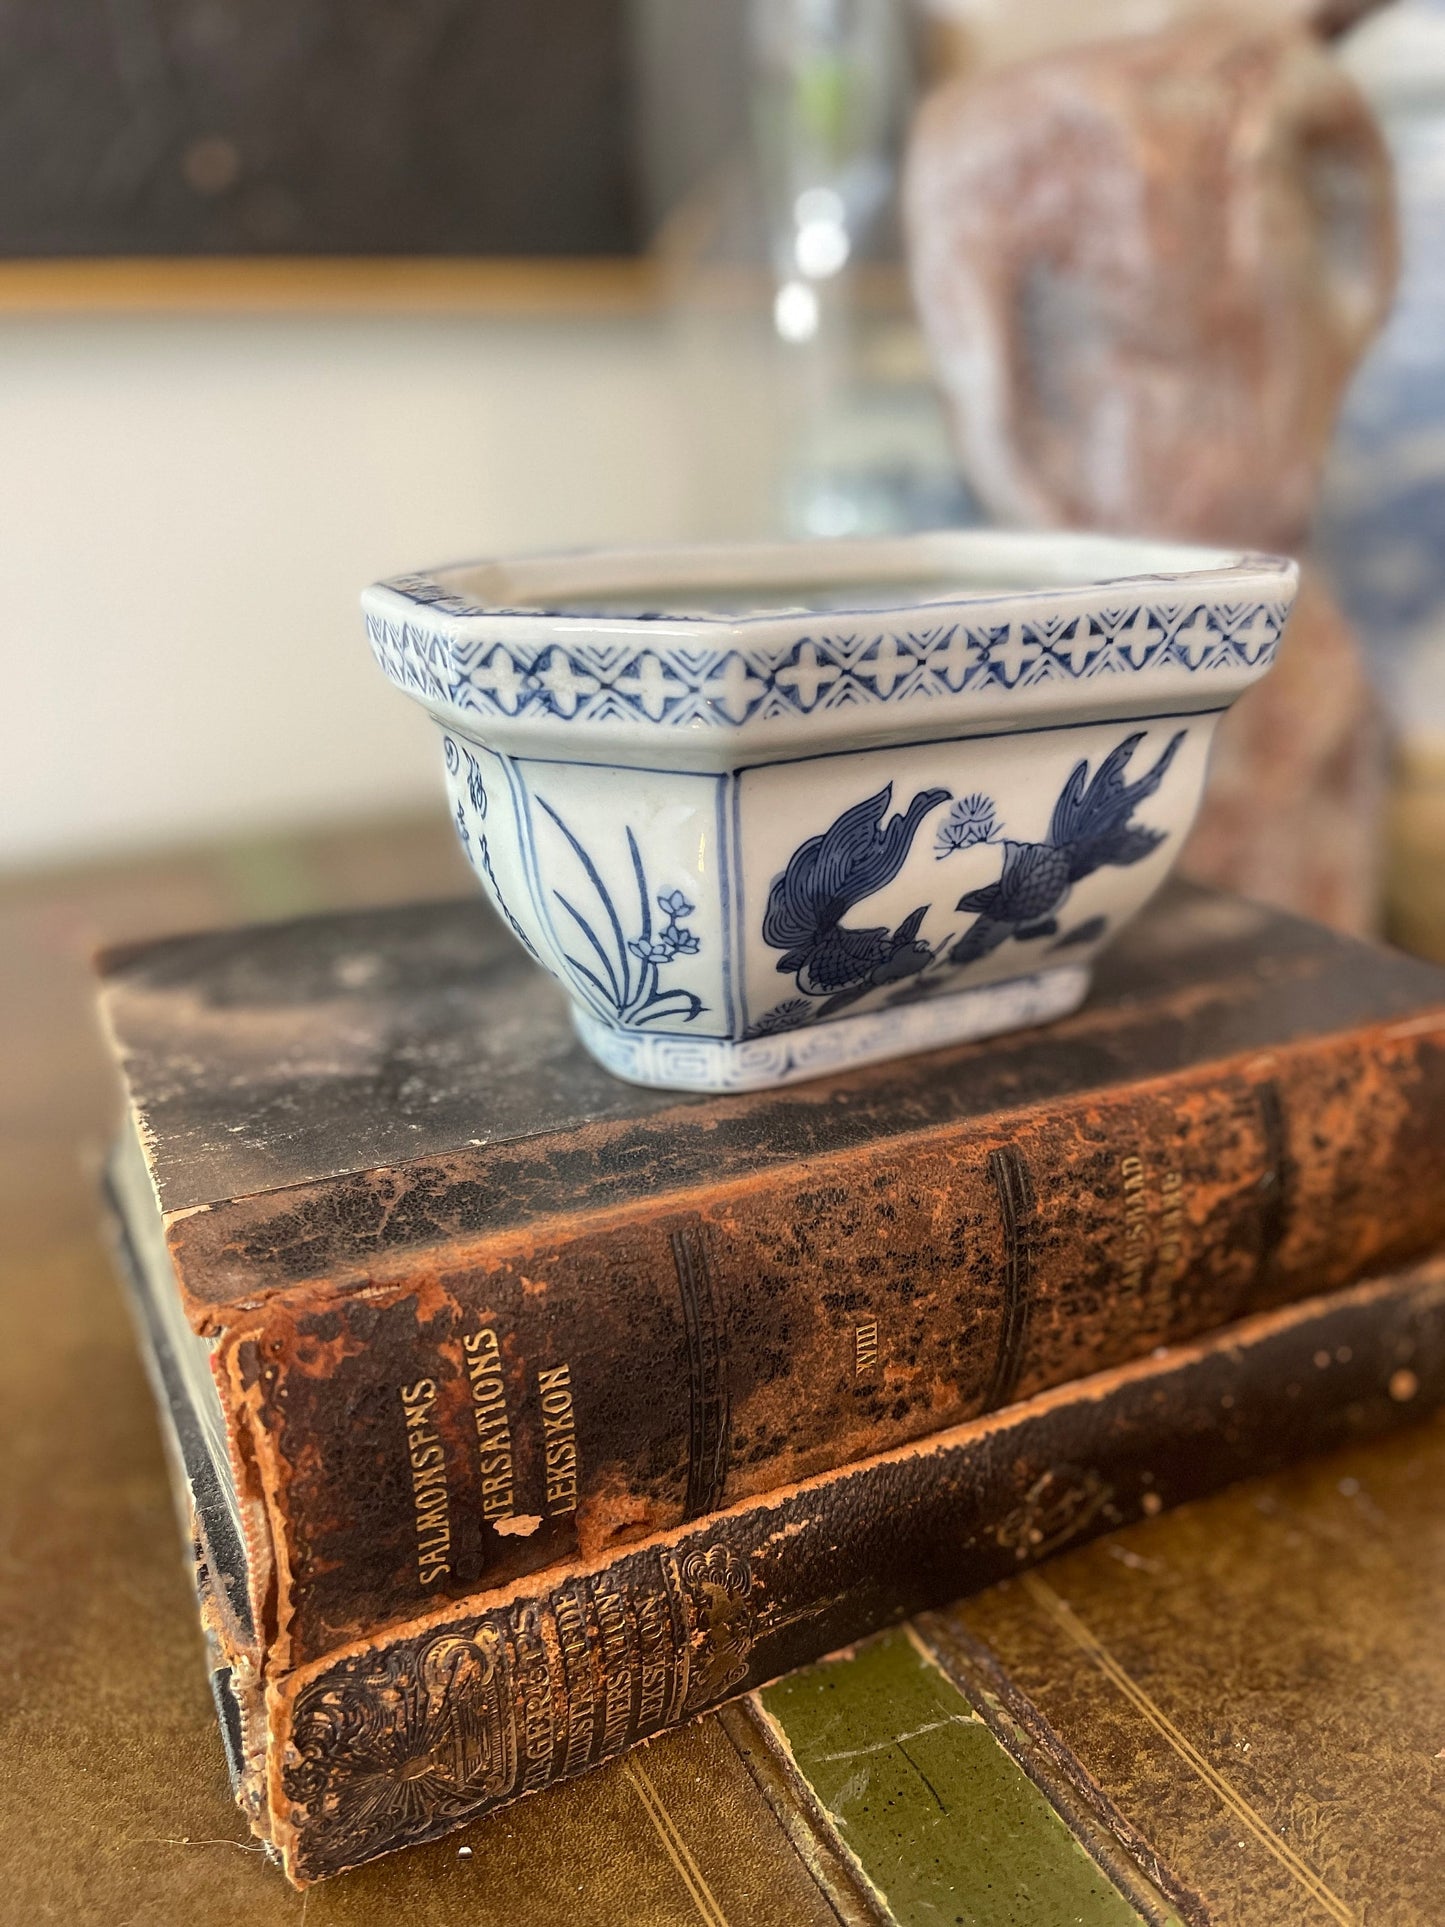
(973, 819)
(628, 995)
(672, 940)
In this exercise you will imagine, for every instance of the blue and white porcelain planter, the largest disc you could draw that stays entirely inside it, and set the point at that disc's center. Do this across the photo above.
(767, 812)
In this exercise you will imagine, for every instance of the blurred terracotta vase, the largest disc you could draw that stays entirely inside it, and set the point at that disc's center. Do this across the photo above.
(1147, 269)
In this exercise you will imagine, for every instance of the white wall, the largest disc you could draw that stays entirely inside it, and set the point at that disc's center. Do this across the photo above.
(189, 507)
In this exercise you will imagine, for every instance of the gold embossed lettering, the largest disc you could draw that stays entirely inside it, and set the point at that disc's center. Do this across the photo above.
(559, 1431)
(1170, 1267)
(1136, 1223)
(534, 1687)
(489, 1416)
(581, 1700)
(427, 1461)
(654, 1639)
(616, 1671)
(865, 1348)
(1154, 1228)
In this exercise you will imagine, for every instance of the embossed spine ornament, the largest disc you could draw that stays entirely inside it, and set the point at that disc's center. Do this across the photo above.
(683, 775)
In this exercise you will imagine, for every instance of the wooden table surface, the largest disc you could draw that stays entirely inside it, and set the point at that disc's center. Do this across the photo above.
(113, 1801)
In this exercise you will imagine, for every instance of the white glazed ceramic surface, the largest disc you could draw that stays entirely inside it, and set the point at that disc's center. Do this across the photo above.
(766, 812)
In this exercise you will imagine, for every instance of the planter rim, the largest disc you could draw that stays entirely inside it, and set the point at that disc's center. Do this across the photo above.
(590, 652)
(557, 586)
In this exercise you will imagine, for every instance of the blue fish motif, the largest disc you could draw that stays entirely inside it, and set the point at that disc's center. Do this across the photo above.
(826, 876)
(1090, 827)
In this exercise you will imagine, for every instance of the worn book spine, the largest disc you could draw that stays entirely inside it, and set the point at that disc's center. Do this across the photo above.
(447, 1413)
(397, 1739)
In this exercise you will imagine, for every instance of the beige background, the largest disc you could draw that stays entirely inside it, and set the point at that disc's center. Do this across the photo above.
(189, 506)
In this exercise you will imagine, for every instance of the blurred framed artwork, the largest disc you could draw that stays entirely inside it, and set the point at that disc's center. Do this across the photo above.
(316, 152)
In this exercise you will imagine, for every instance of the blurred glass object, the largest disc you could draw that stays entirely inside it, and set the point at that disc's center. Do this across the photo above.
(864, 450)
(830, 84)
(1382, 523)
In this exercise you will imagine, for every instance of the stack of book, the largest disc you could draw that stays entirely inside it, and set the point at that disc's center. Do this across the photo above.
(519, 1414)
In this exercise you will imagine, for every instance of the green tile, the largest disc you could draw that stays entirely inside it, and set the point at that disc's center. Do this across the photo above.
(942, 1821)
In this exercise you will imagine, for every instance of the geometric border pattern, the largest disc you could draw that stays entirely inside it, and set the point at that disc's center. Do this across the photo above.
(598, 680)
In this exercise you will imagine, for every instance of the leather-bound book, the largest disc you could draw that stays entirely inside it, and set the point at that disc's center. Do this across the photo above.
(465, 1324)
(396, 1739)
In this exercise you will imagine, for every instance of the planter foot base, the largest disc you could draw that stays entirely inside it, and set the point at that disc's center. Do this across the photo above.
(841, 1043)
